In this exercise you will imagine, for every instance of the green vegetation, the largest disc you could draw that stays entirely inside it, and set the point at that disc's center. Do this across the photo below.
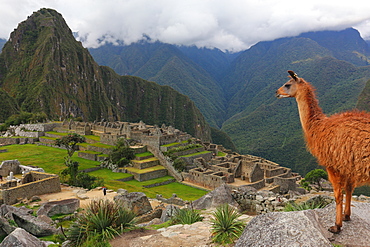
(186, 216)
(314, 177)
(319, 202)
(226, 228)
(193, 154)
(121, 154)
(23, 118)
(52, 161)
(102, 221)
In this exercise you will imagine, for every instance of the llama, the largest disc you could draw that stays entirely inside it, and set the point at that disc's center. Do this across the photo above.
(340, 142)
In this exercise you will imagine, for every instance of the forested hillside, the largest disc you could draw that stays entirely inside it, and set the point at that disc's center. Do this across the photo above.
(44, 69)
(336, 62)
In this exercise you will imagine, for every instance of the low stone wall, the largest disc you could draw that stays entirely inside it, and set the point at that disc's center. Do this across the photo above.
(143, 165)
(205, 156)
(20, 140)
(189, 151)
(149, 175)
(99, 149)
(159, 184)
(87, 155)
(46, 185)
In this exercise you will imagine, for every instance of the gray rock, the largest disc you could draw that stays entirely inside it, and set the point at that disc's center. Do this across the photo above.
(7, 210)
(5, 226)
(168, 212)
(308, 228)
(67, 206)
(20, 238)
(34, 225)
(215, 198)
(136, 201)
(122, 191)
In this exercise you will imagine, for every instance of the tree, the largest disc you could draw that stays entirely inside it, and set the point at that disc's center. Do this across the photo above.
(70, 142)
(315, 176)
(121, 153)
(71, 174)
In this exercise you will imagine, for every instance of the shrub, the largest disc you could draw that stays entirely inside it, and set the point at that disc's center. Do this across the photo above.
(179, 164)
(225, 226)
(305, 205)
(186, 216)
(121, 153)
(102, 220)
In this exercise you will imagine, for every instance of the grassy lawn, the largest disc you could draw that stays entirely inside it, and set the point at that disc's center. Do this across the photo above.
(52, 161)
(150, 169)
(146, 160)
(143, 154)
(49, 158)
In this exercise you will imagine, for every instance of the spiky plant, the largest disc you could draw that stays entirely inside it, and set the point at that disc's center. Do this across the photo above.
(102, 218)
(186, 216)
(226, 227)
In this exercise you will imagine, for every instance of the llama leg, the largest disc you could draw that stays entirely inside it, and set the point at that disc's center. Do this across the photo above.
(347, 208)
(335, 180)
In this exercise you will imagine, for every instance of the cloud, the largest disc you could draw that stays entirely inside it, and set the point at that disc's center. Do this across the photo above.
(232, 25)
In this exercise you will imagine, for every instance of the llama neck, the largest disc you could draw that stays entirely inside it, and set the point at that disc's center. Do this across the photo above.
(308, 107)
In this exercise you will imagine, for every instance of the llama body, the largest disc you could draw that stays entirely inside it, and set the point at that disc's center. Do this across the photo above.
(340, 142)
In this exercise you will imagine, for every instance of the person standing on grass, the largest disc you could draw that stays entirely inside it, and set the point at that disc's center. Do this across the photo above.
(104, 191)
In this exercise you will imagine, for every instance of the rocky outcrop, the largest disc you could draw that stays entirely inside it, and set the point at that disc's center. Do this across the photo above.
(34, 225)
(21, 238)
(308, 228)
(67, 206)
(215, 198)
(136, 201)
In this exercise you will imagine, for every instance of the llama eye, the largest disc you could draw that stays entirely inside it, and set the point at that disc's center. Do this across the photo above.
(287, 86)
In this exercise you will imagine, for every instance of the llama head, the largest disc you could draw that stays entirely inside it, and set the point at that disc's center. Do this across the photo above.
(290, 88)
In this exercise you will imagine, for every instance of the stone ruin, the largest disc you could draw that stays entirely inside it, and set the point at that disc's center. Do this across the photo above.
(242, 170)
(33, 181)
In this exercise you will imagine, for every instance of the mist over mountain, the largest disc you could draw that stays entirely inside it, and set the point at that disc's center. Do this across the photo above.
(44, 69)
(243, 85)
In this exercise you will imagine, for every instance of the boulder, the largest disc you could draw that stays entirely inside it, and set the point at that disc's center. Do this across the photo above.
(215, 198)
(168, 212)
(122, 191)
(5, 227)
(307, 228)
(34, 225)
(7, 210)
(136, 201)
(67, 206)
(20, 238)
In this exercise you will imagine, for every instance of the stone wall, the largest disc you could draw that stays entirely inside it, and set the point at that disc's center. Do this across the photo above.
(205, 156)
(208, 179)
(43, 184)
(11, 141)
(149, 175)
(8, 166)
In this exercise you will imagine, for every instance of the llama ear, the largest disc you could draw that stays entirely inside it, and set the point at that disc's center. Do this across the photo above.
(293, 75)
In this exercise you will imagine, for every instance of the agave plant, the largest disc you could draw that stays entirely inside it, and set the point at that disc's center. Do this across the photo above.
(226, 227)
(186, 216)
(102, 218)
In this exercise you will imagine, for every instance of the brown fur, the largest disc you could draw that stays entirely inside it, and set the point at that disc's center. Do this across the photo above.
(340, 142)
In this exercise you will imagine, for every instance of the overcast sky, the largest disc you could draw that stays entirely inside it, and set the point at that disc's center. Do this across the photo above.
(232, 25)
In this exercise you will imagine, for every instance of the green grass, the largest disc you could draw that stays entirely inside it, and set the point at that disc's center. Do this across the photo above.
(49, 158)
(109, 175)
(143, 154)
(171, 144)
(150, 169)
(148, 182)
(92, 137)
(146, 160)
(52, 161)
(57, 133)
(101, 145)
(193, 154)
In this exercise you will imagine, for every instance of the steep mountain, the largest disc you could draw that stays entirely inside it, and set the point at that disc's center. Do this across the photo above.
(191, 71)
(2, 43)
(44, 69)
(249, 113)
